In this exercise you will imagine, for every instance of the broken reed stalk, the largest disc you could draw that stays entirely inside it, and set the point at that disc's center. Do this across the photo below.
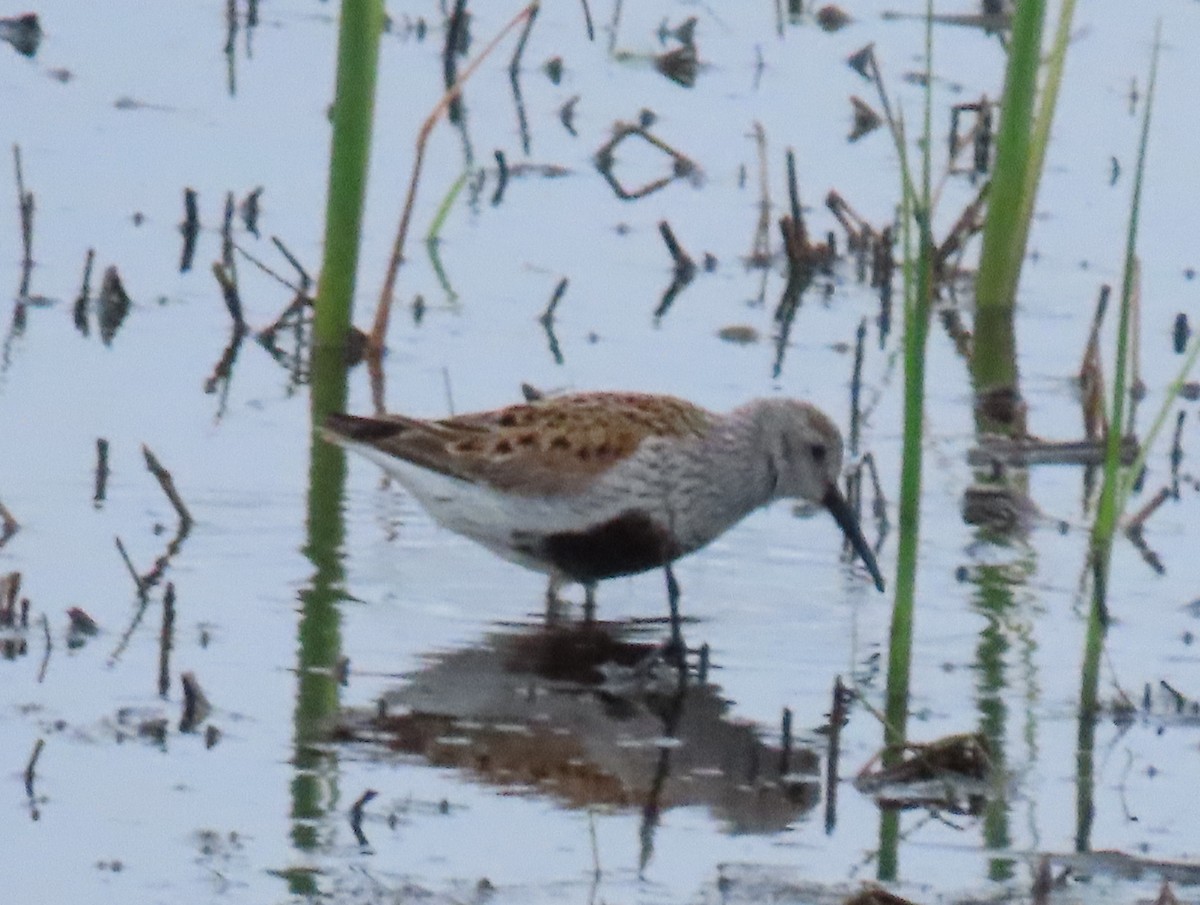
(49, 646)
(25, 205)
(277, 277)
(8, 525)
(685, 267)
(168, 485)
(31, 766)
(226, 279)
(359, 30)
(375, 341)
(547, 316)
(133, 572)
(305, 279)
(165, 640)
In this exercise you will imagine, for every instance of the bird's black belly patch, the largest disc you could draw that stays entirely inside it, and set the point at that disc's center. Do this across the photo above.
(625, 545)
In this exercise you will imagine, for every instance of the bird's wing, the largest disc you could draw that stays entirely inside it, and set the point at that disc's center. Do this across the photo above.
(547, 447)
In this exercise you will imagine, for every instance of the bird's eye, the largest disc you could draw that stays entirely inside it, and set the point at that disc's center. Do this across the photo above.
(817, 451)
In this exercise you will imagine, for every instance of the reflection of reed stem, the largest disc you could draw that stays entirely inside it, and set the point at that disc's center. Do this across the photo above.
(319, 631)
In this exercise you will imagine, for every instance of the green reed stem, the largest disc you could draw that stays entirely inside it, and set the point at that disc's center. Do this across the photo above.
(1116, 480)
(918, 302)
(1004, 233)
(1113, 493)
(350, 150)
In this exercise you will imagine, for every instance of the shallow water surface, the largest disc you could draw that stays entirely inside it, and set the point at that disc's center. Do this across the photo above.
(519, 763)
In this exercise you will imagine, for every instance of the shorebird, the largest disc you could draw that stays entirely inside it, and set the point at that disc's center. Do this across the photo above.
(589, 486)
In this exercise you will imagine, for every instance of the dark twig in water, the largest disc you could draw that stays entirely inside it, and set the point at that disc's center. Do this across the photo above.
(785, 744)
(196, 707)
(1138, 520)
(1091, 373)
(101, 482)
(290, 316)
(837, 719)
(375, 342)
(587, 20)
(1024, 451)
(113, 303)
(501, 178)
(514, 78)
(305, 279)
(168, 485)
(190, 229)
(547, 316)
(356, 816)
(760, 249)
(860, 341)
(456, 42)
(566, 114)
(249, 210)
(265, 269)
(8, 525)
(10, 588)
(222, 373)
(229, 292)
(165, 640)
(227, 236)
(546, 319)
(684, 272)
(614, 25)
(794, 200)
(1177, 452)
(49, 646)
(879, 504)
(1043, 882)
(25, 203)
(31, 766)
(1178, 698)
(685, 267)
(968, 224)
(1137, 537)
(85, 293)
(133, 572)
(683, 167)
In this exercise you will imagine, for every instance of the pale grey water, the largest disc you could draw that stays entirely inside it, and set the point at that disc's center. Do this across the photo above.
(782, 615)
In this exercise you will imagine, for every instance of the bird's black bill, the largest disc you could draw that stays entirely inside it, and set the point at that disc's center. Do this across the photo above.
(842, 514)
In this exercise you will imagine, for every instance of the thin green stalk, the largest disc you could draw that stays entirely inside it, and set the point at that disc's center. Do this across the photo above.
(1116, 483)
(1173, 392)
(1113, 494)
(1085, 741)
(443, 211)
(916, 332)
(353, 111)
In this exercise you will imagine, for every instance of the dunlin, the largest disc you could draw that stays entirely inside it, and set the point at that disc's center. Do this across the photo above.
(589, 486)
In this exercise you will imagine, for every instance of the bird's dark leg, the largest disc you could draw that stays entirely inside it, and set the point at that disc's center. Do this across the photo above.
(554, 604)
(589, 603)
(677, 645)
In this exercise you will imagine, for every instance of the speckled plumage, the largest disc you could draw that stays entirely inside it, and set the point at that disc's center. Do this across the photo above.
(592, 485)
